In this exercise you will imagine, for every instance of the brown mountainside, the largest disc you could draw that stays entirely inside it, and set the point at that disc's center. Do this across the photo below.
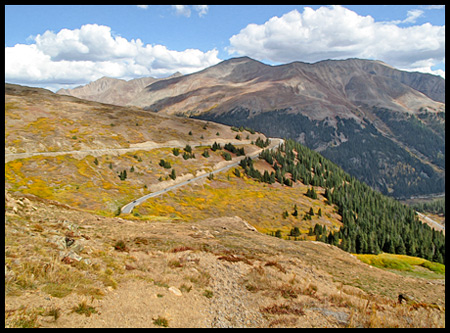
(110, 90)
(382, 125)
(320, 90)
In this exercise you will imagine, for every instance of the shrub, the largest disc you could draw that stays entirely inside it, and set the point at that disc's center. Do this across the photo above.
(161, 321)
(85, 309)
(226, 156)
(165, 164)
(120, 246)
(208, 293)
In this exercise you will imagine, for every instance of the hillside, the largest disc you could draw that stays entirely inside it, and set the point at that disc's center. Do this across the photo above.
(202, 255)
(73, 151)
(382, 125)
(111, 91)
(68, 268)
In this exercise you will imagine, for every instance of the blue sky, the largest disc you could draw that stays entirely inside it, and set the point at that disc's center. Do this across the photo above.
(64, 46)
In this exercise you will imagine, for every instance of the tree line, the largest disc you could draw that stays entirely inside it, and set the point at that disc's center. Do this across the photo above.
(371, 221)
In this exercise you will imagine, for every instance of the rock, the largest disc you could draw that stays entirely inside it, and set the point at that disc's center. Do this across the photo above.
(341, 317)
(70, 257)
(78, 247)
(248, 226)
(59, 241)
(176, 291)
(69, 241)
(406, 298)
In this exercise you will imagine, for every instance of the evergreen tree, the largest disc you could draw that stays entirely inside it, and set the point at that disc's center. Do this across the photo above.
(371, 222)
(295, 212)
(295, 232)
(205, 153)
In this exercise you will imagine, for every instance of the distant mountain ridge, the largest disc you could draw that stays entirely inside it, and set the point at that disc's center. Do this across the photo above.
(110, 90)
(382, 125)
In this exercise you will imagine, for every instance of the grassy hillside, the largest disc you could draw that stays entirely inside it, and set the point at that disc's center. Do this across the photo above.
(89, 145)
(68, 268)
(261, 204)
(191, 257)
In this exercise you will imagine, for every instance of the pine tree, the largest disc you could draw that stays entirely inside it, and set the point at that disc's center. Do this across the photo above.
(295, 212)
(173, 174)
(295, 232)
(205, 153)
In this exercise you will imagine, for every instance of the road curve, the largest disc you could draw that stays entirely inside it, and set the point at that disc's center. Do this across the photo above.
(437, 226)
(127, 209)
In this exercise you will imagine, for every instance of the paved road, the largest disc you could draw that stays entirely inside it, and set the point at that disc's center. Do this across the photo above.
(129, 207)
(439, 227)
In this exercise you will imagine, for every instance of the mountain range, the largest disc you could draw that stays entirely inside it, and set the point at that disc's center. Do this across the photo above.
(384, 126)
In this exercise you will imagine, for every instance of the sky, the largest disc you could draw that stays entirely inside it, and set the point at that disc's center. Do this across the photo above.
(64, 46)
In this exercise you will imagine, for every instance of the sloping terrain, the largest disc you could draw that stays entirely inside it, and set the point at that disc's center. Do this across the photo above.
(109, 90)
(68, 268)
(380, 124)
(75, 151)
(203, 256)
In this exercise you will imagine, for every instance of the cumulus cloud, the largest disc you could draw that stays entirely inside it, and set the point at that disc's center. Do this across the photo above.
(185, 10)
(86, 54)
(336, 32)
(201, 9)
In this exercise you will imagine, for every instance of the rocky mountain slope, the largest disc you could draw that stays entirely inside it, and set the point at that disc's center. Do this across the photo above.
(67, 268)
(202, 256)
(382, 125)
(112, 91)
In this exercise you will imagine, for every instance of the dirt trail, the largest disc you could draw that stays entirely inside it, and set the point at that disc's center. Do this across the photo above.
(148, 145)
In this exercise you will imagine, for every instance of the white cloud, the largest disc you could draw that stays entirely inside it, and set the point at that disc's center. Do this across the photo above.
(185, 10)
(339, 33)
(82, 55)
(201, 9)
(411, 17)
(435, 7)
(142, 6)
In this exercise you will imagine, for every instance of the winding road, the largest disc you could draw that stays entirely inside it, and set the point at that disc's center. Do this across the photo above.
(437, 226)
(127, 209)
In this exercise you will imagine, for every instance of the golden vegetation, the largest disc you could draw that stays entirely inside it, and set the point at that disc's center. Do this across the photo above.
(180, 239)
(260, 204)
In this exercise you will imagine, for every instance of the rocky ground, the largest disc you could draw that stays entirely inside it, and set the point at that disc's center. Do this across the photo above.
(68, 268)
